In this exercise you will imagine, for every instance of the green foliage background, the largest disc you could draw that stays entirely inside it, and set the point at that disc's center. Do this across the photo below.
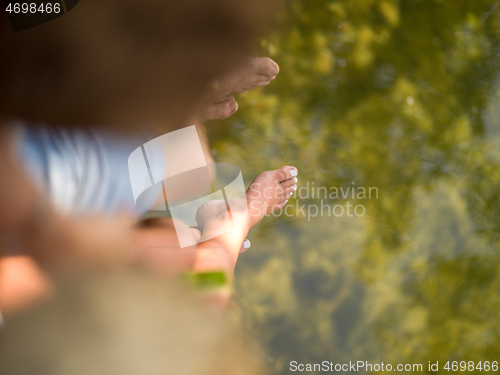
(403, 96)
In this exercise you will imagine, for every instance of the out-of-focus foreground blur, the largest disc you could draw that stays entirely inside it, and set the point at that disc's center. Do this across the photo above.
(122, 322)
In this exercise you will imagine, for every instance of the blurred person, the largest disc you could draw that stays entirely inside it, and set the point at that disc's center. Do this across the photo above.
(84, 172)
(116, 64)
(125, 66)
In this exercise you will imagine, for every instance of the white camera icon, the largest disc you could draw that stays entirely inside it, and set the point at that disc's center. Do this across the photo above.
(171, 172)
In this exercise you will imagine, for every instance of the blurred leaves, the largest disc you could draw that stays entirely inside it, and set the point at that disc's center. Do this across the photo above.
(399, 95)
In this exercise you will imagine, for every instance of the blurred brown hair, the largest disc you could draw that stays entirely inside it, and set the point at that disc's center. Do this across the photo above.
(123, 62)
